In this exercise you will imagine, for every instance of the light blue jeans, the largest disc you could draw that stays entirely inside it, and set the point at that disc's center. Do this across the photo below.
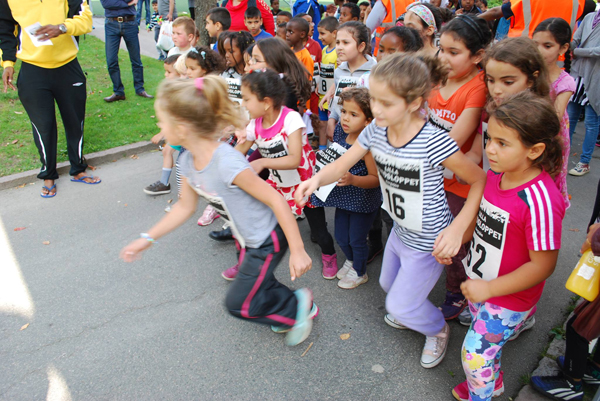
(592, 122)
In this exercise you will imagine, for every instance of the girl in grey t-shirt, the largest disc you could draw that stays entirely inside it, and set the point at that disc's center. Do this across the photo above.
(192, 114)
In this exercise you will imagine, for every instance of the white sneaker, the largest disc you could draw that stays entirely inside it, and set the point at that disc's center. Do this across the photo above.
(348, 264)
(527, 325)
(435, 348)
(352, 280)
(389, 319)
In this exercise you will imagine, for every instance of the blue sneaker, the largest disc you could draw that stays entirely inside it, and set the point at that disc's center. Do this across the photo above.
(453, 305)
(558, 387)
(314, 312)
(303, 326)
(590, 376)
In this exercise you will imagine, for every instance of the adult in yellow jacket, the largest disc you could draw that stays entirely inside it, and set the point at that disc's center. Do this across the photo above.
(44, 36)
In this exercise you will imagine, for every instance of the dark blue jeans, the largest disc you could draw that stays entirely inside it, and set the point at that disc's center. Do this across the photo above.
(140, 7)
(128, 30)
(592, 122)
(351, 231)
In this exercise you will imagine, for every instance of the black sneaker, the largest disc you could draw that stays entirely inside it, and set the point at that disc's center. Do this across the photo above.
(158, 188)
(591, 374)
(558, 387)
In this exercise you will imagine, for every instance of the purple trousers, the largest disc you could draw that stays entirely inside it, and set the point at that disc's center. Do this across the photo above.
(408, 276)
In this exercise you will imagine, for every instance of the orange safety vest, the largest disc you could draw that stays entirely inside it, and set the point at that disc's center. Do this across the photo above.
(394, 8)
(529, 13)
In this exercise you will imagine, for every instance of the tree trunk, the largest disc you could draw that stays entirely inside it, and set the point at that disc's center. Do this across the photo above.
(202, 7)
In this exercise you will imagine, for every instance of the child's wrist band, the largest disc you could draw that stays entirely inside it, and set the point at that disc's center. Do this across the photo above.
(148, 238)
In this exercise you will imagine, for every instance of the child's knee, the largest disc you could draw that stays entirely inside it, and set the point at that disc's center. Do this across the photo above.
(234, 303)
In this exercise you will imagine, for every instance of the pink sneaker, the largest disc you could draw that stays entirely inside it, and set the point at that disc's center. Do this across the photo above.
(330, 268)
(209, 215)
(461, 392)
(231, 273)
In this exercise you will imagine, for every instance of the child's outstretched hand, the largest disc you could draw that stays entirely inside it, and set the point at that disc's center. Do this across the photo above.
(476, 290)
(300, 263)
(304, 190)
(447, 243)
(157, 138)
(133, 251)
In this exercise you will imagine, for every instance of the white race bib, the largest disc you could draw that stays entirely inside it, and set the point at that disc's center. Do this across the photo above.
(345, 82)
(273, 149)
(401, 185)
(485, 253)
(325, 157)
(316, 77)
(326, 78)
(219, 205)
(234, 87)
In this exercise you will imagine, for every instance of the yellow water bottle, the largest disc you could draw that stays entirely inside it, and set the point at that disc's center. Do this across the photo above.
(585, 279)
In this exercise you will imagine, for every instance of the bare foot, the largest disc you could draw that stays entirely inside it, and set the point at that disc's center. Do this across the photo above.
(87, 179)
(47, 188)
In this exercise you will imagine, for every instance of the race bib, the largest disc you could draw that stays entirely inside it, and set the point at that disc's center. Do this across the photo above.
(326, 78)
(234, 87)
(219, 205)
(401, 185)
(273, 149)
(345, 82)
(485, 252)
(325, 157)
(316, 77)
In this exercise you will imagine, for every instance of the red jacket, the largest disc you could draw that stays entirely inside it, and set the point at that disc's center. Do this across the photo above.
(237, 15)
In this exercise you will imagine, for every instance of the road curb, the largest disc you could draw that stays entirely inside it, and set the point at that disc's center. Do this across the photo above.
(93, 159)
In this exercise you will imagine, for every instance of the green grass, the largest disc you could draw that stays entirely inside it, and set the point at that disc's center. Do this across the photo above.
(106, 125)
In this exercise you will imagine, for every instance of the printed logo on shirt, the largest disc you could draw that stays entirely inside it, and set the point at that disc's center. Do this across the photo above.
(439, 122)
(234, 87)
(400, 181)
(485, 253)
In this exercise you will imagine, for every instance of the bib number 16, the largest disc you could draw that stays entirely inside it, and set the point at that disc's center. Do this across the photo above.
(395, 202)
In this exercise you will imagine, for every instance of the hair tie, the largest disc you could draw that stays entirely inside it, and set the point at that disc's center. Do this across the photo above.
(194, 50)
(199, 82)
(424, 13)
(203, 54)
(473, 25)
(281, 75)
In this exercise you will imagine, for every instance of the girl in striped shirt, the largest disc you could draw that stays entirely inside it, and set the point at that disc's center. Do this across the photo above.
(410, 155)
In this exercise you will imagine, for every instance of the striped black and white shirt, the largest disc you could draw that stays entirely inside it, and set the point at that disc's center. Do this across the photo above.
(425, 152)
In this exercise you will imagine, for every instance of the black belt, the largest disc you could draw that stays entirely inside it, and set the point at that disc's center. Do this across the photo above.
(123, 19)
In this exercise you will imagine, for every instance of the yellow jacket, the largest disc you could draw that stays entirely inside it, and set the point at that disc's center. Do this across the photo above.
(16, 15)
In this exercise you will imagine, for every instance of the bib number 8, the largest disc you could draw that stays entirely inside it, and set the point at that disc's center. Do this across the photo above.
(480, 250)
(394, 202)
(324, 85)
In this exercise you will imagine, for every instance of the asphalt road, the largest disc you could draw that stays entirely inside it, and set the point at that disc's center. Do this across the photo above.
(101, 329)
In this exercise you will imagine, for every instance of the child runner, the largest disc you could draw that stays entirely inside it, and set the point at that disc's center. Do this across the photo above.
(201, 61)
(349, 12)
(517, 236)
(356, 197)
(410, 155)
(184, 35)
(512, 66)
(327, 35)
(553, 37)
(283, 17)
(192, 114)
(456, 107)
(162, 186)
(281, 31)
(155, 23)
(427, 20)
(295, 35)
(253, 21)
(218, 20)
(280, 135)
(316, 54)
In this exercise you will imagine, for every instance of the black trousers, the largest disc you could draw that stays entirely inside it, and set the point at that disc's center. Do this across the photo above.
(577, 352)
(318, 228)
(39, 88)
(255, 294)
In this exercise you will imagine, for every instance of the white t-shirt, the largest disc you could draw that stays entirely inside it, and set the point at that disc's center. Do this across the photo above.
(293, 121)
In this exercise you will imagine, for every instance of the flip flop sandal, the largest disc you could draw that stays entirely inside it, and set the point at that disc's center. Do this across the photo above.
(49, 194)
(82, 179)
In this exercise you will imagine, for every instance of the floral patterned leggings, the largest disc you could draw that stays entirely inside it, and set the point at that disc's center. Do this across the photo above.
(491, 327)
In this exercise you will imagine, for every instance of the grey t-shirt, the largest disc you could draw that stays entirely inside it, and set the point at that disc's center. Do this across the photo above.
(163, 8)
(251, 220)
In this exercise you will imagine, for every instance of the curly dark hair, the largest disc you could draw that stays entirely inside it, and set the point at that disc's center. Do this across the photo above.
(209, 60)
(361, 97)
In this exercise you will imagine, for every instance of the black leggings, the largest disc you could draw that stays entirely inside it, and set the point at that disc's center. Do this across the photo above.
(577, 353)
(39, 89)
(318, 228)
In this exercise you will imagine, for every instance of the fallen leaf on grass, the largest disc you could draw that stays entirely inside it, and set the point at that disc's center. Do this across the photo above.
(152, 117)
(26, 325)
(345, 336)
(19, 228)
(134, 157)
(46, 242)
(306, 350)
(15, 141)
(575, 230)
(18, 112)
